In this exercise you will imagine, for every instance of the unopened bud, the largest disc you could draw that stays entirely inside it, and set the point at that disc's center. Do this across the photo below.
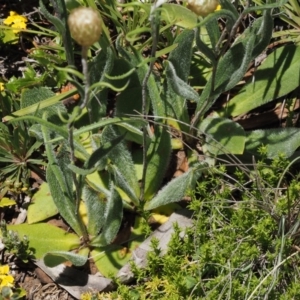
(85, 25)
(202, 7)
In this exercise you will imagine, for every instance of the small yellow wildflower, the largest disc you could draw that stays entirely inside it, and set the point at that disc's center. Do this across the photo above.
(15, 21)
(1, 86)
(86, 296)
(5, 278)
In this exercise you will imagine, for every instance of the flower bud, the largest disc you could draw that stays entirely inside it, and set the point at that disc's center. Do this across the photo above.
(85, 25)
(202, 7)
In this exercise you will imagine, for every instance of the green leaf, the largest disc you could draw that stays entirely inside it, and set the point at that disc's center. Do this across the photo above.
(213, 31)
(7, 202)
(59, 178)
(158, 158)
(230, 70)
(122, 159)
(45, 237)
(95, 203)
(113, 257)
(112, 220)
(101, 66)
(135, 60)
(203, 48)
(234, 64)
(103, 151)
(36, 95)
(42, 205)
(90, 165)
(180, 58)
(123, 186)
(179, 15)
(279, 140)
(181, 88)
(222, 136)
(55, 258)
(263, 88)
(43, 104)
(175, 190)
(60, 27)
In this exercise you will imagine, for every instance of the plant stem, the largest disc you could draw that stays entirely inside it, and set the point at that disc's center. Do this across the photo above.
(76, 113)
(154, 20)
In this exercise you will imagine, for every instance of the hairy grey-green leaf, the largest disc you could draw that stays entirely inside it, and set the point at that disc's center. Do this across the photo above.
(175, 190)
(234, 64)
(121, 182)
(222, 136)
(180, 57)
(113, 218)
(101, 65)
(55, 258)
(277, 140)
(158, 158)
(60, 27)
(174, 104)
(213, 31)
(95, 203)
(203, 48)
(59, 185)
(121, 158)
(181, 88)
(283, 63)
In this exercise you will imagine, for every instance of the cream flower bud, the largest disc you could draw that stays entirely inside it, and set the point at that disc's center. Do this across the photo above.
(202, 7)
(85, 25)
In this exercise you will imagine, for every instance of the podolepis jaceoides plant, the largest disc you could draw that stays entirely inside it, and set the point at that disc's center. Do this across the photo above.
(106, 165)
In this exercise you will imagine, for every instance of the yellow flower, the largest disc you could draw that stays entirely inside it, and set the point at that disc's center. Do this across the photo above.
(15, 21)
(86, 296)
(1, 86)
(5, 278)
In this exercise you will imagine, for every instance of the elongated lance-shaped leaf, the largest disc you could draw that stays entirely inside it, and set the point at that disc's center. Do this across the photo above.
(121, 183)
(277, 140)
(229, 6)
(122, 159)
(136, 59)
(175, 190)
(213, 31)
(208, 52)
(44, 237)
(42, 104)
(95, 203)
(38, 94)
(234, 64)
(284, 62)
(101, 66)
(179, 86)
(61, 25)
(180, 58)
(90, 165)
(222, 136)
(55, 258)
(63, 130)
(158, 158)
(113, 219)
(103, 150)
(60, 189)
(54, 128)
